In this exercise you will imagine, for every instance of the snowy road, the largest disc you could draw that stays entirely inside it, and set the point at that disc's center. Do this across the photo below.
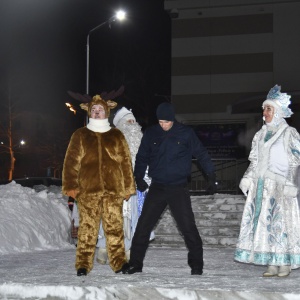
(37, 262)
(51, 275)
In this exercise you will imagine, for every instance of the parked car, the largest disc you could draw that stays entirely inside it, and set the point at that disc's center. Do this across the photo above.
(34, 181)
(39, 183)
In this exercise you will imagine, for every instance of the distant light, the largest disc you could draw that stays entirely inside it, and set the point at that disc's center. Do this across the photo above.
(22, 142)
(71, 108)
(121, 15)
(2, 143)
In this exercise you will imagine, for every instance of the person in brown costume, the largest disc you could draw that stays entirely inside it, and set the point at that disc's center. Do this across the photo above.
(97, 172)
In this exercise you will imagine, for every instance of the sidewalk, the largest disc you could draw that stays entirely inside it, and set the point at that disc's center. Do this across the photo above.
(51, 275)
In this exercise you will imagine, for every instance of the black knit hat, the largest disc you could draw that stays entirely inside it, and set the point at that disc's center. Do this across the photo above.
(165, 111)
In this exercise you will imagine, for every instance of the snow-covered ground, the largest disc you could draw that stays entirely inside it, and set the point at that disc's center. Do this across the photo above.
(37, 262)
(32, 221)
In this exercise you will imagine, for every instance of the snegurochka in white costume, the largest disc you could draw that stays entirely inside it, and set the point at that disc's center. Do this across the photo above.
(270, 227)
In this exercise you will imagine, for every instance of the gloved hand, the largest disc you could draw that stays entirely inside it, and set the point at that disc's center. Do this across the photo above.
(141, 184)
(290, 190)
(212, 184)
(245, 185)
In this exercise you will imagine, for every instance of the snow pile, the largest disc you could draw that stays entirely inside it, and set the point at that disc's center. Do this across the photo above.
(31, 220)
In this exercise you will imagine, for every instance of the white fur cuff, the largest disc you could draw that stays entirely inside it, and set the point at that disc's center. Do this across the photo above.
(245, 185)
(290, 191)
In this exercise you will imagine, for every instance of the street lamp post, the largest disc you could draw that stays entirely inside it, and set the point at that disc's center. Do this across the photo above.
(120, 15)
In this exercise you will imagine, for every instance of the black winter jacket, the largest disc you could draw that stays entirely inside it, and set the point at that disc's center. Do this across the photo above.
(169, 154)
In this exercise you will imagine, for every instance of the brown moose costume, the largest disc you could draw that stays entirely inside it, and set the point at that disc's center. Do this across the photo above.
(98, 173)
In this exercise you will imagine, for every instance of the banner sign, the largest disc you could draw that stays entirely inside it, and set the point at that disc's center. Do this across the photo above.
(222, 140)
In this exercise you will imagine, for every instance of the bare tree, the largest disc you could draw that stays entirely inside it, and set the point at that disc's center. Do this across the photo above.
(9, 145)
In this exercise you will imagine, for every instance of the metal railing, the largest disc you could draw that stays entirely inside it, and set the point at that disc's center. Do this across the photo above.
(228, 171)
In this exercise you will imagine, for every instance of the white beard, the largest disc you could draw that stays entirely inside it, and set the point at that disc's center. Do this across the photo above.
(133, 135)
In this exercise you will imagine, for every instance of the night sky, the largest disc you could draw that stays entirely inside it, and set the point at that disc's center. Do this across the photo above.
(43, 52)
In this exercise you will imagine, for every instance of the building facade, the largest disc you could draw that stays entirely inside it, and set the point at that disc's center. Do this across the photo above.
(227, 54)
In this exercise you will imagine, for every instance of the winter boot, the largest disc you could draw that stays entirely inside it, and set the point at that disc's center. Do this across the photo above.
(271, 271)
(81, 272)
(284, 271)
(101, 256)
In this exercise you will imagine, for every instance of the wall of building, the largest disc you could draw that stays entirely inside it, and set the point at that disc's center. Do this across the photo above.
(226, 55)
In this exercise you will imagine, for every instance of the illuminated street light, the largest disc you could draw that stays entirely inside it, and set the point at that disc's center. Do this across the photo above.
(22, 143)
(120, 16)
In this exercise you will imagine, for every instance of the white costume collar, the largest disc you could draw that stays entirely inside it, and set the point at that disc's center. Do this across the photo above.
(275, 124)
(98, 125)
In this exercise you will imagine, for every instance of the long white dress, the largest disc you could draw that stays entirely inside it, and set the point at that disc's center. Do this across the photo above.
(270, 227)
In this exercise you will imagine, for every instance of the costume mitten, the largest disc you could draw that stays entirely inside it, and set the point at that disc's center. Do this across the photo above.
(245, 185)
(290, 191)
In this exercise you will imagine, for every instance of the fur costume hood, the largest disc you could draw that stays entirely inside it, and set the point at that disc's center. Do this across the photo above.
(107, 105)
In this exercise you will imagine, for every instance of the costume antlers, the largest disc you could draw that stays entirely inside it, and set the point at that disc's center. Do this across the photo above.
(104, 95)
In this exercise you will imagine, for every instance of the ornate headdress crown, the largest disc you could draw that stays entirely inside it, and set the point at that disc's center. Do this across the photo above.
(280, 100)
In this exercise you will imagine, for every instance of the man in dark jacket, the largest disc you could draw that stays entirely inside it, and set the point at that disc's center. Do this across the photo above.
(167, 149)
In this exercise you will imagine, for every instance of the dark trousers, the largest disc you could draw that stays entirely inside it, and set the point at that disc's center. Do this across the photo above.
(179, 201)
